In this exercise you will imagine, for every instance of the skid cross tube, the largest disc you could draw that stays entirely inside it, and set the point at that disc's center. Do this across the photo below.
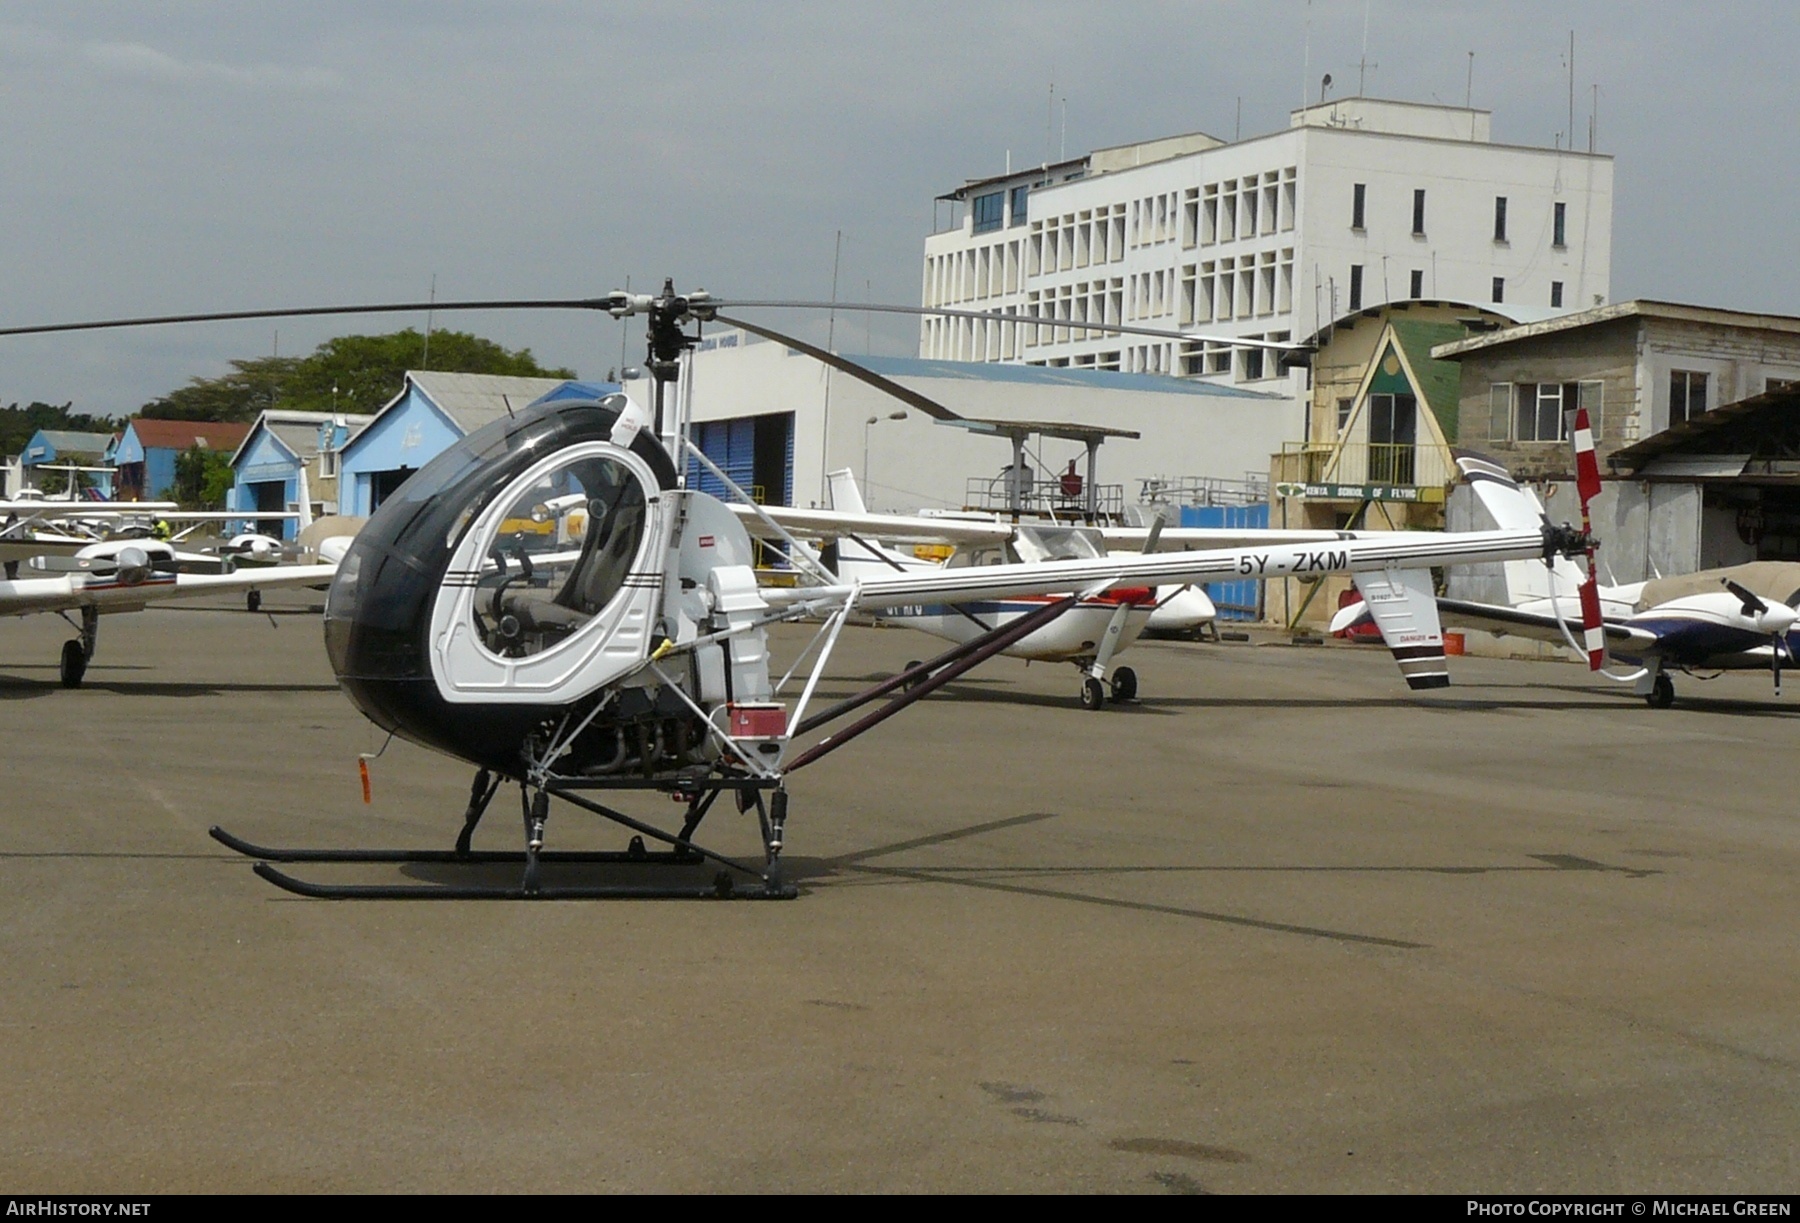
(978, 652)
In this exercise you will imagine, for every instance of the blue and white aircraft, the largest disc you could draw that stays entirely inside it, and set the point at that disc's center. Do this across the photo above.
(1717, 620)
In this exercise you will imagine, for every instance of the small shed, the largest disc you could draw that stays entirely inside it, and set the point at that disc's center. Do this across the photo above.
(146, 452)
(63, 448)
(288, 458)
(432, 412)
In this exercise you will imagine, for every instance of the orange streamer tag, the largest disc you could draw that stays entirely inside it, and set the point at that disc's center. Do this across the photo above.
(362, 766)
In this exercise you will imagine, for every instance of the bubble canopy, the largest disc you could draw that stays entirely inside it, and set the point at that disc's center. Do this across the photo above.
(378, 614)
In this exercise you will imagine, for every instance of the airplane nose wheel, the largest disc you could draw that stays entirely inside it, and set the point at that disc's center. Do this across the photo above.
(1662, 693)
(74, 664)
(1093, 696)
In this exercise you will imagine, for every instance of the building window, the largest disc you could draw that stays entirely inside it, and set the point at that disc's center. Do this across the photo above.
(1356, 286)
(1560, 229)
(989, 211)
(1419, 212)
(1687, 395)
(1417, 288)
(1019, 196)
(1253, 364)
(1499, 218)
(1344, 406)
(1544, 411)
(1499, 288)
(328, 464)
(1780, 384)
(1556, 295)
(1358, 195)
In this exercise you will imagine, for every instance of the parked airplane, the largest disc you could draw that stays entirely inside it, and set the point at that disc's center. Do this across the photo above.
(1085, 636)
(1715, 620)
(125, 576)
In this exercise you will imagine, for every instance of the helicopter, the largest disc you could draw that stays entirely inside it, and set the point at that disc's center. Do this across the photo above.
(632, 654)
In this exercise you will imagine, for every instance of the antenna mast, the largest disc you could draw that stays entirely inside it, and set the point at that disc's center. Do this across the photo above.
(1571, 127)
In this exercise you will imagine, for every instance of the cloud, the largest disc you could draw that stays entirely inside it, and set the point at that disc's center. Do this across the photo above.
(139, 61)
(142, 62)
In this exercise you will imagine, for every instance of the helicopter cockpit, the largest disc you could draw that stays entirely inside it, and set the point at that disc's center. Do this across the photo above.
(561, 553)
(470, 576)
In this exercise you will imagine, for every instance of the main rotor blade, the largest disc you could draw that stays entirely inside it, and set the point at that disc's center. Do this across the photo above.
(577, 303)
(906, 395)
(1066, 324)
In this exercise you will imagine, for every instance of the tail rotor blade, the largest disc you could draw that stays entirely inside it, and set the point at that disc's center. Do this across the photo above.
(1587, 485)
(1587, 466)
(1593, 630)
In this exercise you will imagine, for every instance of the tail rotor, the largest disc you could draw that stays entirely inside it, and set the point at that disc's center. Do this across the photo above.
(1587, 485)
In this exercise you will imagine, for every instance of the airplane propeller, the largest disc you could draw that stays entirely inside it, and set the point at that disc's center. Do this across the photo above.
(1773, 619)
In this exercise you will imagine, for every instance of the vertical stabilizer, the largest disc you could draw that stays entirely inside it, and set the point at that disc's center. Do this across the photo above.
(1515, 508)
(845, 495)
(305, 506)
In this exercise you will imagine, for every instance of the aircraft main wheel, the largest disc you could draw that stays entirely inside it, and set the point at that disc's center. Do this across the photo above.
(253, 600)
(74, 664)
(913, 683)
(1124, 684)
(1662, 693)
(1093, 696)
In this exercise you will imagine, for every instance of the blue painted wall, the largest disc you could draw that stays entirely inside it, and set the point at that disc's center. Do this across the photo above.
(1235, 600)
(265, 459)
(40, 450)
(410, 434)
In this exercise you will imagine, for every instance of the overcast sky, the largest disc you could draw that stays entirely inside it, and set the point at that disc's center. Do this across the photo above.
(187, 156)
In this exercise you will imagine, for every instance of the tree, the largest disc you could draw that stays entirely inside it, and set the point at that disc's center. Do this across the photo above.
(17, 425)
(202, 478)
(352, 373)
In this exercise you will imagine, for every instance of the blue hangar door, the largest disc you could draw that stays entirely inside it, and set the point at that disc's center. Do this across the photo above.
(1235, 600)
(757, 452)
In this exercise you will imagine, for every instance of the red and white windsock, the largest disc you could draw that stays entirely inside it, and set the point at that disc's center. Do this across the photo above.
(1587, 485)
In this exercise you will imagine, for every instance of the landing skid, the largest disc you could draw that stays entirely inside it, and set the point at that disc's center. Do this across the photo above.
(736, 880)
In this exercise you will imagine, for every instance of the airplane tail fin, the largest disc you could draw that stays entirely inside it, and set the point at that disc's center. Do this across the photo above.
(1404, 608)
(845, 495)
(1515, 508)
(305, 506)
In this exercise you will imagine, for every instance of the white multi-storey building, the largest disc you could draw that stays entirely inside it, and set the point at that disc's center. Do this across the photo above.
(1358, 202)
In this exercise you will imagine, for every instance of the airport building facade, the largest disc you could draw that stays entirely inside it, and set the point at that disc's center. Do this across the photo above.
(1357, 202)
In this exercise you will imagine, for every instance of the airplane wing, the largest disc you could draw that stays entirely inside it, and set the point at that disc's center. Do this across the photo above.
(27, 547)
(838, 523)
(108, 594)
(85, 509)
(1510, 622)
(272, 578)
(1401, 550)
(1507, 621)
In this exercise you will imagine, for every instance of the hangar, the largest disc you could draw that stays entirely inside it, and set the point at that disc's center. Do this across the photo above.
(432, 411)
(785, 420)
(289, 460)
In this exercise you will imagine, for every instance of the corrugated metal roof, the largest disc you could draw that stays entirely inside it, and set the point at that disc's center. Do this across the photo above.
(472, 400)
(67, 441)
(182, 434)
(1638, 308)
(1045, 375)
